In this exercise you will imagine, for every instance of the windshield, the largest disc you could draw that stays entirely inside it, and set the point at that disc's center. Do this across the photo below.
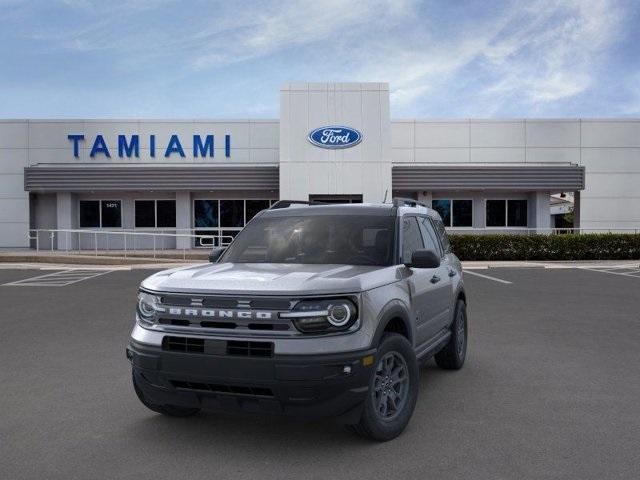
(331, 239)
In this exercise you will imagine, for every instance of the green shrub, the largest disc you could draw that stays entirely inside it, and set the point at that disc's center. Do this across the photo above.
(588, 246)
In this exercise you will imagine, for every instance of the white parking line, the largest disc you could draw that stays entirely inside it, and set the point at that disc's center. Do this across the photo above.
(633, 273)
(59, 279)
(499, 280)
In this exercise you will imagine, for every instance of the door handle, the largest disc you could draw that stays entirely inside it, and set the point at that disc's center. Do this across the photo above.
(452, 273)
(435, 279)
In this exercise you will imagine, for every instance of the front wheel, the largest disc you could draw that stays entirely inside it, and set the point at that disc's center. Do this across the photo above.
(452, 356)
(393, 391)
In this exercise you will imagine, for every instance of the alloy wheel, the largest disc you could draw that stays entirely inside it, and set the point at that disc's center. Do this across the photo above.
(391, 386)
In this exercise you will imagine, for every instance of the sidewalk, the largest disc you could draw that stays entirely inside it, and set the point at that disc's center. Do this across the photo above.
(89, 257)
(28, 258)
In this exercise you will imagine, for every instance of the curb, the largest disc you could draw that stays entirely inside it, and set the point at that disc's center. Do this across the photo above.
(91, 260)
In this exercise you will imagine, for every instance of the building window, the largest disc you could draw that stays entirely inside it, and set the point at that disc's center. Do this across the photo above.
(227, 217)
(90, 214)
(155, 213)
(454, 213)
(517, 213)
(232, 213)
(166, 213)
(145, 213)
(256, 206)
(205, 213)
(100, 214)
(506, 213)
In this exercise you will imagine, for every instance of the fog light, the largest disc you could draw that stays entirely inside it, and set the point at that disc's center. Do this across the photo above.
(368, 360)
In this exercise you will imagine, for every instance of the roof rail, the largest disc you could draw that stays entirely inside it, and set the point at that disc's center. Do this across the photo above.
(288, 203)
(407, 202)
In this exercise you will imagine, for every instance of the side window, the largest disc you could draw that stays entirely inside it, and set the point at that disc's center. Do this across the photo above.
(442, 234)
(411, 238)
(430, 238)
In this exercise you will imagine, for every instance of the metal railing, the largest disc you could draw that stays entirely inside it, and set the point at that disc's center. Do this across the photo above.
(127, 242)
(139, 241)
(535, 231)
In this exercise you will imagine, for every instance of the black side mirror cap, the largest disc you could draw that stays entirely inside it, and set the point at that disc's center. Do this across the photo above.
(216, 253)
(424, 259)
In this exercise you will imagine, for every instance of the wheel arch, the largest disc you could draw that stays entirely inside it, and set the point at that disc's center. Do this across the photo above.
(461, 295)
(394, 318)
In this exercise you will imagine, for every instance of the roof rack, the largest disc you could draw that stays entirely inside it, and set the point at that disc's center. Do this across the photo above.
(288, 203)
(407, 202)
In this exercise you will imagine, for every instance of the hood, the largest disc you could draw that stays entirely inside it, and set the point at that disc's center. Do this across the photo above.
(271, 278)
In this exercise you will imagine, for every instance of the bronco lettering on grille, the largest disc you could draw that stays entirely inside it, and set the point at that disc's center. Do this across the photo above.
(214, 313)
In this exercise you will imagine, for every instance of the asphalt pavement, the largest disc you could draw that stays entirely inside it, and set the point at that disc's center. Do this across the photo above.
(550, 391)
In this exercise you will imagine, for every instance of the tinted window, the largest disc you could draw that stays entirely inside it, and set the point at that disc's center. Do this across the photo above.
(145, 213)
(255, 206)
(411, 238)
(232, 213)
(340, 239)
(90, 214)
(462, 213)
(517, 213)
(429, 236)
(443, 207)
(496, 213)
(205, 213)
(442, 235)
(111, 213)
(166, 213)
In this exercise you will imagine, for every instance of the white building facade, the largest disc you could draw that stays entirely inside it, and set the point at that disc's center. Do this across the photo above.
(212, 176)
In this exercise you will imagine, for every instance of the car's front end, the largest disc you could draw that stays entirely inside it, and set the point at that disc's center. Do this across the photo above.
(301, 356)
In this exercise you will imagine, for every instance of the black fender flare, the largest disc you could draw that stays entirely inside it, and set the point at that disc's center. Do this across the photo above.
(393, 309)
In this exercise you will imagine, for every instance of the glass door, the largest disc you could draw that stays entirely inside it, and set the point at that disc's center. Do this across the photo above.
(206, 221)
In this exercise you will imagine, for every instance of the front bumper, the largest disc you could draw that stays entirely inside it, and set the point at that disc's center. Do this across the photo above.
(308, 386)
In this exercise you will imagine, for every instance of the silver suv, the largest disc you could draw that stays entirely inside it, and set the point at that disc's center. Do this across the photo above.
(313, 311)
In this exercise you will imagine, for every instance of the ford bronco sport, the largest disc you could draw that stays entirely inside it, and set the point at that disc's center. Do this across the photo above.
(313, 311)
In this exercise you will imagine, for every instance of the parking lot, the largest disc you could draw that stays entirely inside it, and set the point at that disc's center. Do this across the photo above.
(550, 390)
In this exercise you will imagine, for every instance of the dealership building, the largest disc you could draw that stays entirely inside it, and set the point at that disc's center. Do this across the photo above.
(333, 142)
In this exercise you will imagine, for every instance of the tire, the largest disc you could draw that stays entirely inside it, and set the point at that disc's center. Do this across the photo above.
(380, 421)
(169, 410)
(452, 356)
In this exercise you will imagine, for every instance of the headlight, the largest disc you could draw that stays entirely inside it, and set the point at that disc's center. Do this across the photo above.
(147, 305)
(320, 316)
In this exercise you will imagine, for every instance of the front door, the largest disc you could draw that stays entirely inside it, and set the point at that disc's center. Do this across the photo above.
(428, 287)
(443, 287)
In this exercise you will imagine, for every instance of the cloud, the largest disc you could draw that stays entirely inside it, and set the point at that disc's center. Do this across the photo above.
(546, 52)
(438, 57)
(285, 25)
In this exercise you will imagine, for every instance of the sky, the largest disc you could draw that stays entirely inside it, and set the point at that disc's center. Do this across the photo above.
(228, 59)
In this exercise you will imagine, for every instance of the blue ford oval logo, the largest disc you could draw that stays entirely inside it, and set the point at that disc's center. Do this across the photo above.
(335, 136)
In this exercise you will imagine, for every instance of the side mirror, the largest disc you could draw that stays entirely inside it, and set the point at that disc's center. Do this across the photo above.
(216, 253)
(424, 259)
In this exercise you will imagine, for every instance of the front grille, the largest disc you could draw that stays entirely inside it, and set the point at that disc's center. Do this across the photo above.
(183, 344)
(229, 389)
(256, 303)
(250, 349)
(218, 347)
(279, 326)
